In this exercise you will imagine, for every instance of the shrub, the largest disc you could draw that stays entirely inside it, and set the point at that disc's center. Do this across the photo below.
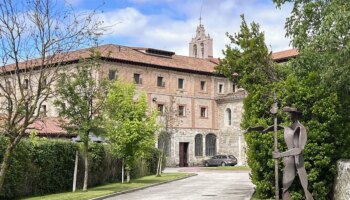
(46, 166)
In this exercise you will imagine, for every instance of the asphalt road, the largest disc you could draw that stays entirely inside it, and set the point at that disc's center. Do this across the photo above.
(218, 185)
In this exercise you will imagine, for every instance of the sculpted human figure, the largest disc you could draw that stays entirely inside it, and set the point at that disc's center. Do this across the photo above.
(293, 160)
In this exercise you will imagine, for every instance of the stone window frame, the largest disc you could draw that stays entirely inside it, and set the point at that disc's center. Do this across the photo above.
(115, 74)
(183, 83)
(223, 88)
(139, 82)
(210, 144)
(163, 110)
(206, 112)
(26, 84)
(228, 117)
(195, 50)
(198, 145)
(184, 111)
(162, 84)
(205, 89)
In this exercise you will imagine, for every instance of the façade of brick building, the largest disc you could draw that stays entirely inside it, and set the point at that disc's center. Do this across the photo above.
(201, 109)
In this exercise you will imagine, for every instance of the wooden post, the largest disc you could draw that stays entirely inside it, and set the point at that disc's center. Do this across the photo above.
(75, 170)
(276, 149)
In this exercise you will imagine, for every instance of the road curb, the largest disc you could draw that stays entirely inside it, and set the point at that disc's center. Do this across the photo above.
(140, 188)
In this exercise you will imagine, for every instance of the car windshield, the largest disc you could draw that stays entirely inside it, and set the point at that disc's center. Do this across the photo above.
(230, 156)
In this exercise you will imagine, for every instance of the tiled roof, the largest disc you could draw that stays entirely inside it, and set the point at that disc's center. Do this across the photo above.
(140, 56)
(285, 55)
(47, 126)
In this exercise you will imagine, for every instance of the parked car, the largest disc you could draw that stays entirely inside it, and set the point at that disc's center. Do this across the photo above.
(221, 160)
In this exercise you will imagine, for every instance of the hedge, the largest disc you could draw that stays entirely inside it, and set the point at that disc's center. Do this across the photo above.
(47, 165)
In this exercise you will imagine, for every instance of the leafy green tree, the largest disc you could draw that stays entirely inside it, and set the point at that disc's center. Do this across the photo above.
(320, 30)
(81, 95)
(248, 63)
(322, 109)
(131, 127)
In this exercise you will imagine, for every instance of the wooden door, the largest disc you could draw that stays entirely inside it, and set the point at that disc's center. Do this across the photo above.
(183, 154)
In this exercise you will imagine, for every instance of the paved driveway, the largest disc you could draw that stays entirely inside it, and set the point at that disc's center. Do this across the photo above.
(218, 185)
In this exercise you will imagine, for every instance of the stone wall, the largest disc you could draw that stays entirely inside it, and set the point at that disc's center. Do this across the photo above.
(342, 182)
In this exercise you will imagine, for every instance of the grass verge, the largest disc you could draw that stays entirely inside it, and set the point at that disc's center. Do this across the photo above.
(113, 187)
(228, 168)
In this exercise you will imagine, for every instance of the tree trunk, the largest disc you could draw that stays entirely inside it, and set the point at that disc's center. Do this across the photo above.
(75, 171)
(122, 170)
(86, 176)
(161, 159)
(158, 167)
(5, 164)
(160, 163)
(128, 175)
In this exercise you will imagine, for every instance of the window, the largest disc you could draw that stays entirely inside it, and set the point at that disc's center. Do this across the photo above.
(228, 114)
(112, 75)
(181, 82)
(202, 49)
(203, 86)
(43, 110)
(8, 86)
(210, 144)
(221, 88)
(182, 111)
(25, 84)
(137, 79)
(233, 88)
(43, 82)
(198, 143)
(195, 50)
(204, 112)
(160, 108)
(160, 81)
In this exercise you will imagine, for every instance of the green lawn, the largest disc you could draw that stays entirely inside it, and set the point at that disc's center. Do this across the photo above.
(228, 168)
(112, 188)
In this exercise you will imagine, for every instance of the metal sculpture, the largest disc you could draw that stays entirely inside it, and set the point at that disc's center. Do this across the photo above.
(295, 137)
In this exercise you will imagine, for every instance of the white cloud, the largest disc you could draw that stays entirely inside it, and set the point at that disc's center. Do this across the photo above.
(130, 27)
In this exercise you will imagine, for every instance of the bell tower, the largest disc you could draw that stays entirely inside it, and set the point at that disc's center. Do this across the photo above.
(201, 46)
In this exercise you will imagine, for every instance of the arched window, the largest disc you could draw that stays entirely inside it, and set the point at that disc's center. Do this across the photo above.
(202, 50)
(228, 117)
(164, 143)
(195, 50)
(210, 144)
(198, 145)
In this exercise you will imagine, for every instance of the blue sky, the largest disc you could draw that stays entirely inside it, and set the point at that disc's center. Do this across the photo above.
(170, 24)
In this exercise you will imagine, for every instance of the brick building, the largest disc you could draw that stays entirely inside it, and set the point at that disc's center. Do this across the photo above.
(201, 109)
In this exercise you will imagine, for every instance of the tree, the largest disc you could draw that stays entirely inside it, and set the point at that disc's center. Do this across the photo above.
(320, 30)
(248, 63)
(131, 127)
(81, 95)
(298, 84)
(29, 29)
(163, 139)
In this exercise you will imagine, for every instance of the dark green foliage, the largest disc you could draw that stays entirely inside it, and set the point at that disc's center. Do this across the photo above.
(46, 166)
(305, 84)
(39, 168)
(253, 67)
